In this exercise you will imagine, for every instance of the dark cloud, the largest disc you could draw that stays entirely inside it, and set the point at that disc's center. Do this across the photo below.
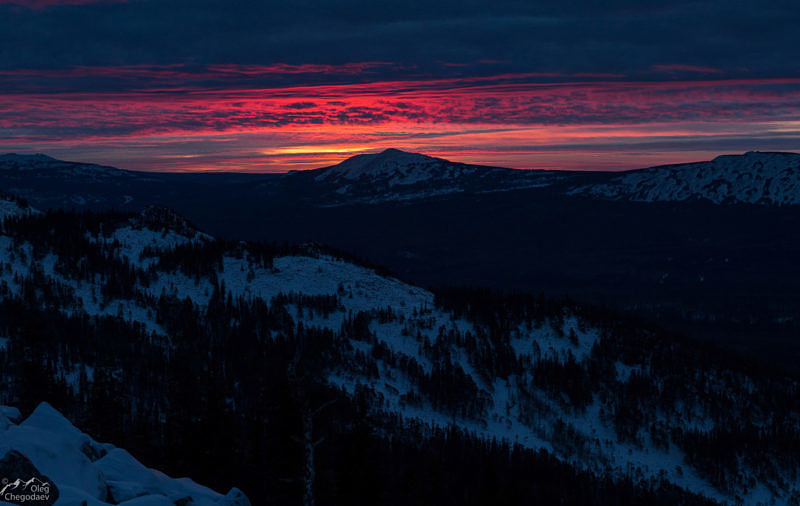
(449, 37)
(301, 105)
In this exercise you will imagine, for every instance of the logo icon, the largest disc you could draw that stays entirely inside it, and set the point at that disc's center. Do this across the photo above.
(21, 491)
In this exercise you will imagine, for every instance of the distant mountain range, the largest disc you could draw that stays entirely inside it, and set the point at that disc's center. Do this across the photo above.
(705, 249)
(394, 175)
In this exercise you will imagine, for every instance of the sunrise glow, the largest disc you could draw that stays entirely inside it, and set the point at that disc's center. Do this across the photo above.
(538, 90)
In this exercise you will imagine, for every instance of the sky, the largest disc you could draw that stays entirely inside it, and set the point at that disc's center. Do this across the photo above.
(271, 86)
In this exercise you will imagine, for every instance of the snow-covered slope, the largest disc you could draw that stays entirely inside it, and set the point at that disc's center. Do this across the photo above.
(394, 175)
(45, 454)
(754, 177)
(407, 340)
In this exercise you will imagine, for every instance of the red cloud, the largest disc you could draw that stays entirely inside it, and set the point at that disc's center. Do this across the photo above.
(496, 101)
(303, 126)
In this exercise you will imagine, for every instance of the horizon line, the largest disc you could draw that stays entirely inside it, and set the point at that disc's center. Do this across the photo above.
(378, 151)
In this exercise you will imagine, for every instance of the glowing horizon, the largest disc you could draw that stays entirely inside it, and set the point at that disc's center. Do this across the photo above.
(275, 86)
(179, 124)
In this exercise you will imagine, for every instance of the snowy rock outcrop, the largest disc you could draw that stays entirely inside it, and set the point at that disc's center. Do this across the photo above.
(45, 454)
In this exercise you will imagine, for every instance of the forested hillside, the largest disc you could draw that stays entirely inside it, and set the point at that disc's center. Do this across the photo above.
(260, 365)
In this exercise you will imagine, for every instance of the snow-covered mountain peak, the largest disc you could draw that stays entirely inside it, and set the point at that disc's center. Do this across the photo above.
(395, 175)
(401, 167)
(754, 177)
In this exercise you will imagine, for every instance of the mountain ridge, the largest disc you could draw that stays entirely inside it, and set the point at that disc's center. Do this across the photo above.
(39, 161)
(12, 157)
(755, 177)
(393, 175)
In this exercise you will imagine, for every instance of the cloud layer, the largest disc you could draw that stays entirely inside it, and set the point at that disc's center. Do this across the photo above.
(274, 85)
